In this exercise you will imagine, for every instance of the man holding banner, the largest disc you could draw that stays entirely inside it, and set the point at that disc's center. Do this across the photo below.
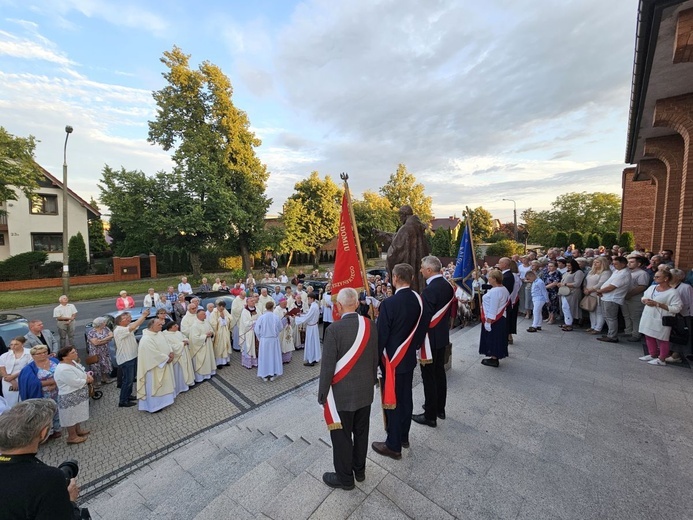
(398, 333)
(347, 376)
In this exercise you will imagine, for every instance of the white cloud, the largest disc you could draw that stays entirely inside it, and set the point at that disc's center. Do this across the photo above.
(24, 48)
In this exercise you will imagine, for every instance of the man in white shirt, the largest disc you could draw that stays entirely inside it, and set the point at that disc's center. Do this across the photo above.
(633, 306)
(151, 298)
(65, 314)
(613, 294)
(126, 354)
(283, 278)
(184, 287)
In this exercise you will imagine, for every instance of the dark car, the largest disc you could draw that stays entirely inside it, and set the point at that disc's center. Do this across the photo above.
(318, 284)
(378, 271)
(11, 326)
(212, 297)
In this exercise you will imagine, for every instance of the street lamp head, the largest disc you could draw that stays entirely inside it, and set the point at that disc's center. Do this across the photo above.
(68, 129)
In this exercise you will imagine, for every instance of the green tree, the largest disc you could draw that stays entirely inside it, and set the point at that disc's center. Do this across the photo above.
(609, 239)
(318, 207)
(440, 242)
(593, 241)
(627, 240)
(481, 222)
(77, 252)
(586, 212)
(539, 227)
(576, 239)
(218, 179)
(295, 236)
(402, 188)
(97, 239)
(561, 239)
(374, 213)
(17, 166)
(505, 248)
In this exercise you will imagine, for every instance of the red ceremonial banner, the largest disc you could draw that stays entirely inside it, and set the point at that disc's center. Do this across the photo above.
(347, 272)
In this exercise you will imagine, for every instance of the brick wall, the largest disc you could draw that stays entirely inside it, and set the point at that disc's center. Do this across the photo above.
(638, 208)
(45, 283)
(683, 42)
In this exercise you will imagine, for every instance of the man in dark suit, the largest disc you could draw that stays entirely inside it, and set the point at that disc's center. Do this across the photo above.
(347, 393)
(437, 300)
(509, 284)
(398, 324)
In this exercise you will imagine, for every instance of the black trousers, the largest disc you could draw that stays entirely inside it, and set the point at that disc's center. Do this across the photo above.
(350, 444)
(399, 419)
(435, 385)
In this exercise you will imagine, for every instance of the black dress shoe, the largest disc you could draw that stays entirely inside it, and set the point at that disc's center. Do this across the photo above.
(127, 405)
(132, 398)
(332, 480)
(219, 367)
(421, 419)
(360, 477)
(405, 444)
(490, 362)
(382, 449)
(607, 339)
(441, 415)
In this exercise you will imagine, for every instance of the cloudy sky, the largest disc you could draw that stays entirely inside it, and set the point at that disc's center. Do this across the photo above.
(521, 99)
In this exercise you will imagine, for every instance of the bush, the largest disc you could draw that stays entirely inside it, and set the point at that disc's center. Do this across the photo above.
(627, 240)
(22, 266)
(496, 237)
(505, 248)
(576, 239)
(440, 243)
(561, 240)
(609, 240)
(77, 253)
(51, 270)
(593, 241)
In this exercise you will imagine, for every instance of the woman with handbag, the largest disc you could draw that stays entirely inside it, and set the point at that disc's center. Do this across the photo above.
(99, 337)
(683, 346)
(599, 274)
(661, 301)
(73, 394)
(569, 290)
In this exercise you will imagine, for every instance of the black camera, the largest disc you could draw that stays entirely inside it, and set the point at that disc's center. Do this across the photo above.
(486, 287)
(70, 469)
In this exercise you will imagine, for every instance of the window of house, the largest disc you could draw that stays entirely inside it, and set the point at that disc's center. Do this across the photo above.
(40, 204)
(2, 239)
(48, 242)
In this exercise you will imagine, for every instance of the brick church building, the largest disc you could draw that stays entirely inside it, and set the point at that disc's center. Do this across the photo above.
(657, 201)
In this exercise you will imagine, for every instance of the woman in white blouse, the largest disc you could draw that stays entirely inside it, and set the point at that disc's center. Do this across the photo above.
(494, 337)
(599, 274)
(73, 394)
(660, 300)
(11, 364)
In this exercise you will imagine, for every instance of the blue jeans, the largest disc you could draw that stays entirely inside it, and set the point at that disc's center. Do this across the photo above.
(128, 368)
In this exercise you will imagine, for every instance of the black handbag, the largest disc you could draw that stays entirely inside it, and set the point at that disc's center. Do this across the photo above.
(680, 333)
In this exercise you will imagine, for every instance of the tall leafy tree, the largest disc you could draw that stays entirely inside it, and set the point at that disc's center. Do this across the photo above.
(295, 238)
(313, 214)
(218, 179)
(97, 239)
(440, 242)
(374, 212)
(77, 251)
(17, 166)
(402, 188)
(481, 223)
(586, 212)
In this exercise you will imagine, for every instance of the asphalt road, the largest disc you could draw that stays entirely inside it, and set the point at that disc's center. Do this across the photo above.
(86, 312)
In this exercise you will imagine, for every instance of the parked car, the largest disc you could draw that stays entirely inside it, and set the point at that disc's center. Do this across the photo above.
(11, 326)
(212, 297)
(136, 313)
(316, 283)
(377, 271)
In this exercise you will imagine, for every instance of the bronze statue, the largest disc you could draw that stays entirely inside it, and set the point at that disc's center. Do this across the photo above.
(409, 245)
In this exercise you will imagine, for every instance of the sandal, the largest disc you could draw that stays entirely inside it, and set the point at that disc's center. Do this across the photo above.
(78, 440)
(531, 329)
(83, 433)
(566, 328)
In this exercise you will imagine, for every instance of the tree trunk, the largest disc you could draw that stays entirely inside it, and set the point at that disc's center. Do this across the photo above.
(316, 260)
(288, 262)
(245, 255)
(196, 264)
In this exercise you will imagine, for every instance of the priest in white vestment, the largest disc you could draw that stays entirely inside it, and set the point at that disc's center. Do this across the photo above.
(182, 362)
(312, 352)
(286, 337)
(155, 380)
(220, 320)
(190, 317)
(201, 348)
(246, 333)
(236, 308)
(262, 301)
(267, 329)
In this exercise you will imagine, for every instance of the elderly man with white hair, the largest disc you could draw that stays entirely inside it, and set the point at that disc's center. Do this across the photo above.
(65, 314)
(155, 379)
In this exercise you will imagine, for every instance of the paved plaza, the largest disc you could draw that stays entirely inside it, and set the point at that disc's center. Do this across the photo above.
(567, 427)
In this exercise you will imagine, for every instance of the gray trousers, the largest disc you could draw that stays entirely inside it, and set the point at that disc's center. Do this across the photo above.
(632, 311)
(67, 333)
(610, 311)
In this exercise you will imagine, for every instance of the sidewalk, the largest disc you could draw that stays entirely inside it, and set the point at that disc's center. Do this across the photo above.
(567, 427)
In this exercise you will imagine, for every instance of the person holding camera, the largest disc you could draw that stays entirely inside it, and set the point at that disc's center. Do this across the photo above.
(30, 488)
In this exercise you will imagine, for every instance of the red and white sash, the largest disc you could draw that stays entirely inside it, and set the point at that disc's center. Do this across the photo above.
(389, 398)
(498, 316)
(424, 352)
(343, 367)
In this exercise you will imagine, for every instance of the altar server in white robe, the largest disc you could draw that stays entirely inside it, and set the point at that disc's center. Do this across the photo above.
(190, 317)
(267, 329)
(237, 307)
(246, 333)
(220, 320)
(155, 380)
(183, 371)
(312, 352)
(286, 337)
(201, 348)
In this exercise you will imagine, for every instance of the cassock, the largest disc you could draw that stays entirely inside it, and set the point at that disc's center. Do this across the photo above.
(246, 337)
(312, 352)
(202, 351)
(221, 325)
(155, 380)
(236, 308)
(268, 327)
(262, 303)
(286, 337)
(187, 322)
(183, 371)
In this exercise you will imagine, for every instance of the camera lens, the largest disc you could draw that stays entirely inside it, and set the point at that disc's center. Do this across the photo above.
(70, 469)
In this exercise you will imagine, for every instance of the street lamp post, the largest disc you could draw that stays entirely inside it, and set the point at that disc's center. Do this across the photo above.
(514, 216)
(66, 258)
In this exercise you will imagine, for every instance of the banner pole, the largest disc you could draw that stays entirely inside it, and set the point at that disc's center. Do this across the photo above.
(362, 265)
